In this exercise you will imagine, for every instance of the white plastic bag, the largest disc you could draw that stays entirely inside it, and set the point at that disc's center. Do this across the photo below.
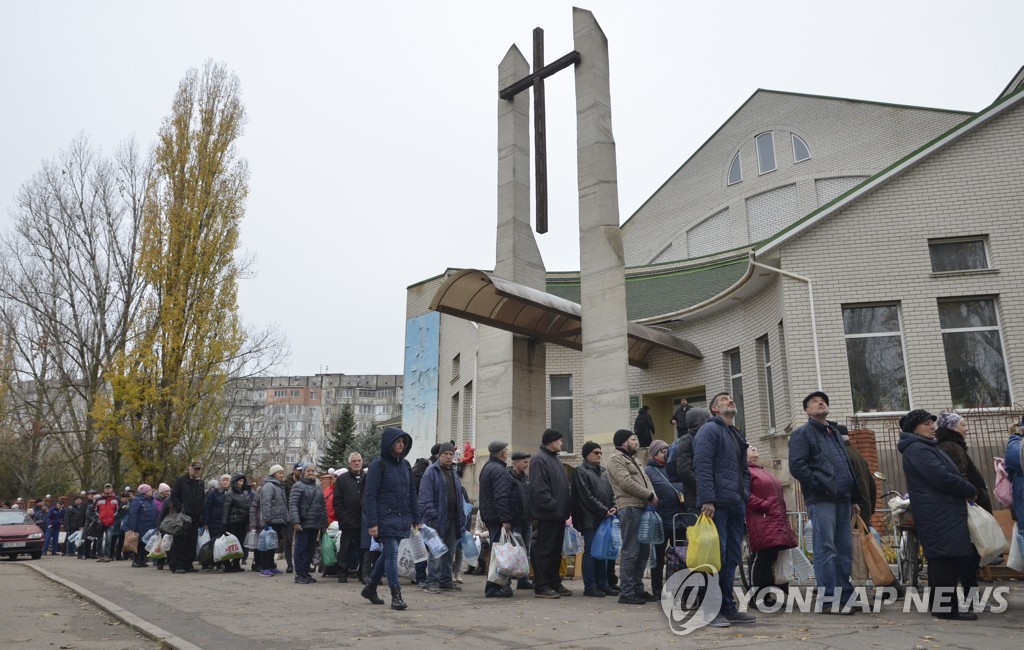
(227, 547)
(406, 562)
(783, 569)
(165, 543)
(433, 541)
(986, 533)
(204, 537)
(509, 556)
(1015, 561)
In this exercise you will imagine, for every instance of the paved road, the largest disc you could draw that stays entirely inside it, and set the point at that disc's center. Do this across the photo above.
(246, 611)
(38, 613)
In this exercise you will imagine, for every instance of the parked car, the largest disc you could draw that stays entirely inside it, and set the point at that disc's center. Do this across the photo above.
(19, 535)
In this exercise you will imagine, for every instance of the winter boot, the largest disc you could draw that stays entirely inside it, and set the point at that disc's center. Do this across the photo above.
(369, 592)
(396, 598)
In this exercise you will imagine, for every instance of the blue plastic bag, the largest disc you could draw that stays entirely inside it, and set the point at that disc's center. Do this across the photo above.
(469, 547)
(605, 546)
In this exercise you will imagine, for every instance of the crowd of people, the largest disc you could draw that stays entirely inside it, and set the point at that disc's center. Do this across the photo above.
(709, 469)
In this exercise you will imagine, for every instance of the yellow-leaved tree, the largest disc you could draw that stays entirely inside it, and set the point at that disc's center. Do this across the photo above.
(166, 388)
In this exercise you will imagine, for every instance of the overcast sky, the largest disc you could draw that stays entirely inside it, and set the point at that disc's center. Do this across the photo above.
(371, 137)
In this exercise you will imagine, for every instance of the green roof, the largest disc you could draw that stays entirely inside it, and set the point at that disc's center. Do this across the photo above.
(654, 294)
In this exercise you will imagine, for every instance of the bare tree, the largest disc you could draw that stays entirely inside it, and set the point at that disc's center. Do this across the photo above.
(69, 291)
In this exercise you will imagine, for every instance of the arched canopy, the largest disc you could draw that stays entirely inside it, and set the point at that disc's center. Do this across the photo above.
(489, 300)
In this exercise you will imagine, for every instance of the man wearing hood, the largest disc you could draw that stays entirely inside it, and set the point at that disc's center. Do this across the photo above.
(679, 464)
(549, 497)
(235, 515)
(307, 513)
(391, 510)
(440, 503)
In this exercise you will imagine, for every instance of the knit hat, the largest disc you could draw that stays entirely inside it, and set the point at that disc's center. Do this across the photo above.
(274, 469)
(144, 489)
(589, 446)
(816, 393)
(445, 448)
(656, 447)
(435, 450)
(550, 435)
(621, 436)
(162, 488)
(495, 447)
(949, 420)
(520, 455)
(212, 484)
(910, 421)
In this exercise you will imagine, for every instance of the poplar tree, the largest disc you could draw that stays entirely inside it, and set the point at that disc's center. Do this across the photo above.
(164, 404)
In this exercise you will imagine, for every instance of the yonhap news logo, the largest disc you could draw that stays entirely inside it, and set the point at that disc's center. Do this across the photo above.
(691, 599)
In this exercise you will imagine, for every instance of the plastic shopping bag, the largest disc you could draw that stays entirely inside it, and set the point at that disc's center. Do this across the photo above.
(204, 536)
(986, 534)
(470, 551)
(165, 542)
(1014, 560)
(783, 568)
(435, 545)
(251, 539)
(603, 547)
(572, 543)
(704, 552)
(406, 562)
(509, 556)
(328, 552)
(227, 547)
(269, 538)
(205, 554)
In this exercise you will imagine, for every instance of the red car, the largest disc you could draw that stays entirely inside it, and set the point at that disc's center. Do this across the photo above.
(19, 535)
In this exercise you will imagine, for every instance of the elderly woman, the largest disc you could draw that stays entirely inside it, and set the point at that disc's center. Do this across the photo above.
(142, 514)
(951, 433)
(938, 497)
(235, 516)
(670, 496)
(767, 525)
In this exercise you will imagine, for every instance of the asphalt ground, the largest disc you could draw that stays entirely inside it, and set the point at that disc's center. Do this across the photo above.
(246, 611)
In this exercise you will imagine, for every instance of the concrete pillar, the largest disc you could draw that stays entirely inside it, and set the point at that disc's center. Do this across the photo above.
(511, 370)
(605, 363)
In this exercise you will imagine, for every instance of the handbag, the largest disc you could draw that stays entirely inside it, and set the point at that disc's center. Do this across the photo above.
(859, 566)
(131, 541)
(175, 524)
(986, 534)
(874, 559)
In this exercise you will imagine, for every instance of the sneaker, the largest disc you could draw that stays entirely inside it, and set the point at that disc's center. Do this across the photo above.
(504, 592)
(276, 571)
(266, 572)
(432, 588)
(547, 593)
(451, 587)
(720, 621)
(631, 600)
(562, 591)
(611, 591)
(302, 580)
(594, 592)
(740, 617)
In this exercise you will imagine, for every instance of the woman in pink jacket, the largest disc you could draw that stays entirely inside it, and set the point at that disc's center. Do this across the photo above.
(767, 524)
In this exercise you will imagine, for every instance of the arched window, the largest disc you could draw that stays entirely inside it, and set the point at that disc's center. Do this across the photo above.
(735, 172)
(801, 151)
(765, 152)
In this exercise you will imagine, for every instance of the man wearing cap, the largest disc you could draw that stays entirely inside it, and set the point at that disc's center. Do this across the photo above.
(440, 501)
(348, 507)
(818, 460)
(289, 532)
(418, 469)
(592, 502)
(187, 496)
(549, 498)
(723, 490)
(523, 523)
(501, 505)
(633, 492)
(106, 507)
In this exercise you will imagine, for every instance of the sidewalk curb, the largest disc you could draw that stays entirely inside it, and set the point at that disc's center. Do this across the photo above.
(158, 634)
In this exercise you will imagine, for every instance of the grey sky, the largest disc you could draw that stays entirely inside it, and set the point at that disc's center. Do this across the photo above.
(371, 136)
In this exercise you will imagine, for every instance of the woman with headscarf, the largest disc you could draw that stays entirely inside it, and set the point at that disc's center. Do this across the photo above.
(235, 516)
(939, 500)
(213, 512)
(768, 526)
(951, 433)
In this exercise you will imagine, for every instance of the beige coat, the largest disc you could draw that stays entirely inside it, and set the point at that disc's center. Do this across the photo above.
(630, 483)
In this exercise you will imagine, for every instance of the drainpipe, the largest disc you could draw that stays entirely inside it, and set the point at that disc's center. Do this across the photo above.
(810, 297)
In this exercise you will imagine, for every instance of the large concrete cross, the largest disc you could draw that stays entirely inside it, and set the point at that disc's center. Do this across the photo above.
(536, 80)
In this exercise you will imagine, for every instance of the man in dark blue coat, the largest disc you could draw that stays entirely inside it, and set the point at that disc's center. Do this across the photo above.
(500, 505)
(440, 502)
(818, 459)
(549, 498)
(723, 489)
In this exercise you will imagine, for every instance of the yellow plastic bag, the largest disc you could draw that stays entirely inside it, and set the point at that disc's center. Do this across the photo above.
(704, 552)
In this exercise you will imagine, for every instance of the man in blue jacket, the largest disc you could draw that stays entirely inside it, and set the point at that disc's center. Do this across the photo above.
(817, 458)
(441, 508)
(723, 489)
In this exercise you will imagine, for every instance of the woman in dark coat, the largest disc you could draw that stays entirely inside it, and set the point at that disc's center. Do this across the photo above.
(938, 499)
(767, 524)
(235, 517)
(390, 509)
(142, 515)
(668, 506)
(951, 436)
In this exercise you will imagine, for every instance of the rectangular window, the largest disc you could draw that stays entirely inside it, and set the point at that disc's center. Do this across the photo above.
(736, 386)
(366, 392)
(874, 353)
(279, 393)
(364, 409)
(312, 394)
(958, 255)
(974, 353)
(765, 153)
(456, 366)
(296, 392)
(345, 392)
(454, 416)
(768, 382)
(561, 408)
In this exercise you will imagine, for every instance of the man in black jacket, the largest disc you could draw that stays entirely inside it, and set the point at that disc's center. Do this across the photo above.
(500, 505)
(524, 523)
(73, 518)
(679, 417)
(592, 501)
(643, 427)
(348, 508)
(549, 497)
(188, 497)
